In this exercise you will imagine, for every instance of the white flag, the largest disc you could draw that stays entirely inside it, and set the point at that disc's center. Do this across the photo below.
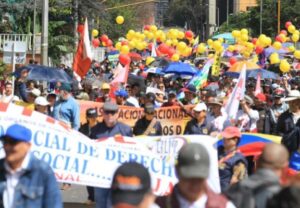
(237, 94)
(153, 49)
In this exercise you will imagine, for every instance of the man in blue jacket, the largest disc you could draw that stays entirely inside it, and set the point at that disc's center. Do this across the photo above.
(25, 181)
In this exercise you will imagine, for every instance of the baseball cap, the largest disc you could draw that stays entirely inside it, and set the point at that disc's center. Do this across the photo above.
(36, 92)
(261, 97)
(189, 88)
(200, 107)
(231, 131)
(121, 93)
(41, 101)
(18, 132)
(91, 113)
(65, 87)
(110, 106)
(131, 182)
(216, 101)
(105, 86)
(149, 108)
(193, 161)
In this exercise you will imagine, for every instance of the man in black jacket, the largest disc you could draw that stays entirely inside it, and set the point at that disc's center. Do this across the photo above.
(288, 125)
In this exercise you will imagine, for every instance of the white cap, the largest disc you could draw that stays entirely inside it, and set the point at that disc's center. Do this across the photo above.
(275, 86)
(41, 101)
(200, 107)
(36, 92)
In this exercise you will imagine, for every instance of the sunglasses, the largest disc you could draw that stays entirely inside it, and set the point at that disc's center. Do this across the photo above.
(229, 139)
(110, 112)
(9, 141)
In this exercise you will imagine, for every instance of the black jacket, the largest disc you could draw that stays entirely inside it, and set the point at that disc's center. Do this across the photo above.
(142, 124)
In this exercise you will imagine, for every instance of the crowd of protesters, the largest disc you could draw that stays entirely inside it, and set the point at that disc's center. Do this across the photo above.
(274, 110)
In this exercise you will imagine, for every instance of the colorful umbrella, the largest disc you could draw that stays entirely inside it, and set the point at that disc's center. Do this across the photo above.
(237, 67)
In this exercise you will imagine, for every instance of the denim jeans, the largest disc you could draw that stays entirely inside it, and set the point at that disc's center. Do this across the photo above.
(103, 198)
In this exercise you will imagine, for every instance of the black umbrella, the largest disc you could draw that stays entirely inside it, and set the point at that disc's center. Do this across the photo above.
(134, 79)
(45, 73)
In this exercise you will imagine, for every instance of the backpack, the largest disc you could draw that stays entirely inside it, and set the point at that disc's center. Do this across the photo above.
(245, 197)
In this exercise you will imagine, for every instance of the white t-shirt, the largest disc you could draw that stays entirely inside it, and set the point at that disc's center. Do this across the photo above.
(248, 121)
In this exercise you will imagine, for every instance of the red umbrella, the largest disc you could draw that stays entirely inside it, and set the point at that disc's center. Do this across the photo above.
(135, 56)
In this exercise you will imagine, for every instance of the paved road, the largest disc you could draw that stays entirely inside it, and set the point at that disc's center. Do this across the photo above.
(75, 197)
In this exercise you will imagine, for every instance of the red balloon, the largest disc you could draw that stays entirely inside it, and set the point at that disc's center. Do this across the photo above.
(287, 24)
(124, 42)
(163, 48)
(259, 49)
(279, 38)
(96, 42)
(171, 52)
(283, 32)
(104, 38)
(124, 59)
(80, 28)
(109, 43)
(254, 40)
(189, 34)
(147, 27)
(232, 61)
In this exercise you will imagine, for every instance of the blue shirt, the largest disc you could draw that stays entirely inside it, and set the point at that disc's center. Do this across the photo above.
(103, 131)
(68, 112)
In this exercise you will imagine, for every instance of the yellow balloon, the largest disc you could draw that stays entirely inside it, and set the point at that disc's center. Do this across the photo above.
(297, 54)
(221, 40)
(181, 46)
(95, 33)
(284, 66)
(132, 44)
(244, 37)
(180, 35)
(274, 58)
(125, 49)
(169, 42)
(244, 31)
(291, 29)
(291, 48)
(236, 34)
(201, 48)
(175, 57)
(246, 54)
(120, 20)
(174, 42)
(231, 48)
(217, 45)
(139, 46)
(268, 41)
(153, 28)
(295, 37)
(150, 35)
(210, 42)
(210, 56)
(118, 46)
(277, 45)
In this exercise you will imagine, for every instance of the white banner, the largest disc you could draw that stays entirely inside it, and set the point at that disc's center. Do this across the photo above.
(77, 159)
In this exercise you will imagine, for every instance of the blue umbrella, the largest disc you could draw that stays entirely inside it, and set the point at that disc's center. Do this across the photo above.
(45, 73)
(270, 50)
(154, 70)
(265, 74)
(180, 68)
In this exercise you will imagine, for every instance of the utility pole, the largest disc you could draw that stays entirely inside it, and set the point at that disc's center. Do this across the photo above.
(45, 20)
(75, 15)
(227, 12)
(33, 36)
(260, 20)
(278, 19)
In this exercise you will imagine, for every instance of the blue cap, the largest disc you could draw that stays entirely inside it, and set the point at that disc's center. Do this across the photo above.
(66, 87)
(121, 93)
(18, 132)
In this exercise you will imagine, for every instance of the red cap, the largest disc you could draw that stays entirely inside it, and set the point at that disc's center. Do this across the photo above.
(230, 132)
(261, 97)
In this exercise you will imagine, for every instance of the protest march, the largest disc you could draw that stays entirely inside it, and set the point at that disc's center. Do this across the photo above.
(162, 117)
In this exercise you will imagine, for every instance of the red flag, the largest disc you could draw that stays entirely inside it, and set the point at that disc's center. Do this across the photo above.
(258, 88)
(83, 57)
